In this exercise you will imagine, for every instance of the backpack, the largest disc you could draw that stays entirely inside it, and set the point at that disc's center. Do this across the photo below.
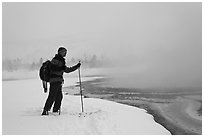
(44, 72)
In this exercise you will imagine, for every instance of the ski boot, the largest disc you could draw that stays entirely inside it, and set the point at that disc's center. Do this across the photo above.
(45, 112)
(56, 111)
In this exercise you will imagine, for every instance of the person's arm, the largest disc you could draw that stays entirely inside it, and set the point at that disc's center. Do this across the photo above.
(71, 69)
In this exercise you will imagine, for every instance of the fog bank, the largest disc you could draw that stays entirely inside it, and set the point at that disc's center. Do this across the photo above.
(148, 44)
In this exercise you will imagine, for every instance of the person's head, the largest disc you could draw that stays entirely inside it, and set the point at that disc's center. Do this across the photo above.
(62, 51)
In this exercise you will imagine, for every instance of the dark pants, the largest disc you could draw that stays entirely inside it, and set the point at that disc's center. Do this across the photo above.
(55, 96)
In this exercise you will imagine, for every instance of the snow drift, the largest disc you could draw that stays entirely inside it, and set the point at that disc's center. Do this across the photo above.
(23, 101)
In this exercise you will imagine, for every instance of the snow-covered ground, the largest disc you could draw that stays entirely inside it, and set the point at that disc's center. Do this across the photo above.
(23, 101)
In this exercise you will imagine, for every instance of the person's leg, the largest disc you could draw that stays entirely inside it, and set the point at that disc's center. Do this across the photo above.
(51, 96)
(58, 99)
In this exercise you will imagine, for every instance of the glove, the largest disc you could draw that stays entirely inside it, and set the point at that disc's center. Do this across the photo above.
(78, 65)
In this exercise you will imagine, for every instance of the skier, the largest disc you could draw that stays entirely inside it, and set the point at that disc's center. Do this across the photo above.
(57, 68)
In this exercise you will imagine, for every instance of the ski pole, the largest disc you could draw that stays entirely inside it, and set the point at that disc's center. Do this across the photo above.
(82, 107)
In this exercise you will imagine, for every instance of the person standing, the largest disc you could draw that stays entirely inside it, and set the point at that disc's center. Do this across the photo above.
(57, 68)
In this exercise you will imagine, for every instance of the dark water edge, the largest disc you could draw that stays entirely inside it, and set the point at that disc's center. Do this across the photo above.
(171, 127)
(98, 89)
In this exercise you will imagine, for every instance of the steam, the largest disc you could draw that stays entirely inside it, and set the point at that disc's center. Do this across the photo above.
(159, 66)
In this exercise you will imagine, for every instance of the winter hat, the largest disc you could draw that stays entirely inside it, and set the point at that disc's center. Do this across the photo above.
(62, 49)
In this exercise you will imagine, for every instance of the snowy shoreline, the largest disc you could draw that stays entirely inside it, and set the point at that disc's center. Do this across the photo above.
(158, 106)
(70, 87)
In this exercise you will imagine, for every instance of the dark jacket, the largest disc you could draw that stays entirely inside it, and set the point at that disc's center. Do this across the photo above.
(58, 67)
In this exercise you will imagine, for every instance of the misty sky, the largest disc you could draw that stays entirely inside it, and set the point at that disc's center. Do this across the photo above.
(151, 37)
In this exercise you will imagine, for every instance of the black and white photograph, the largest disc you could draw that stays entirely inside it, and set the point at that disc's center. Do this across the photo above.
(101, 68)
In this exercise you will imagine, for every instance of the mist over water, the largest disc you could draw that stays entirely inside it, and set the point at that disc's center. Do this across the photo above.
(175, 69)
(154, 78)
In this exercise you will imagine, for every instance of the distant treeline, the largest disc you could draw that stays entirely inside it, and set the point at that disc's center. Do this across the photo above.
(87, 62)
